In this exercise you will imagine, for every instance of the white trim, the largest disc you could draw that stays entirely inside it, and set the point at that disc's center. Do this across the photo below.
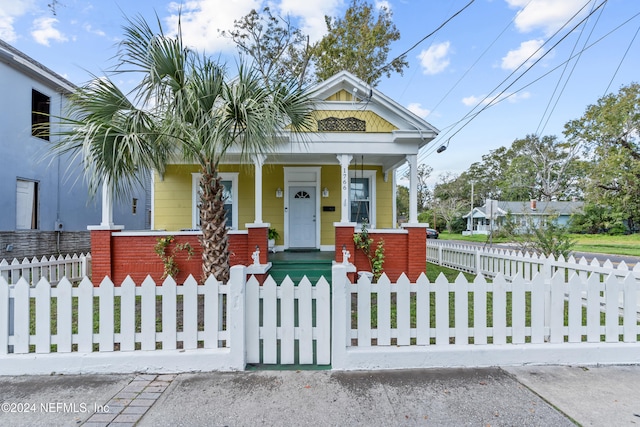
(394, 195)
(226, 176)
(295, 176)
(371, 174)
(153, 201)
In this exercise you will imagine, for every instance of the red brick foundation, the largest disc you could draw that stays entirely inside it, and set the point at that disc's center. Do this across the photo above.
(118, 254)
(405, 250)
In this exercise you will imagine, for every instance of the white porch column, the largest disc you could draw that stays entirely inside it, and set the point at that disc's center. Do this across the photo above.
(258, 162)
(412, 159)
(107, 204)
(344, 160)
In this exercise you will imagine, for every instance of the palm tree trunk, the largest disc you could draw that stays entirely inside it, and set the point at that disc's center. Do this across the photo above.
(214, 240)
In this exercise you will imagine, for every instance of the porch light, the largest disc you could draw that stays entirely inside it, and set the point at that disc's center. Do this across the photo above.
(279, 193)
(325, 192)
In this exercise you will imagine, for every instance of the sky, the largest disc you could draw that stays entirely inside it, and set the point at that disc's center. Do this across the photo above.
(496, 72)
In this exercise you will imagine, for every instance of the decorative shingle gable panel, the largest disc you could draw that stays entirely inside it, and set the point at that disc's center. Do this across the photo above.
(348, 124)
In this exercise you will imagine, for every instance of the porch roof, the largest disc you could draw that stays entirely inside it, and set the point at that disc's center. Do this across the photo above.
(388, 149)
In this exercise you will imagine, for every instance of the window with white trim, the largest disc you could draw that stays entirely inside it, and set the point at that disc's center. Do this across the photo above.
(230, 194)
(362, 186)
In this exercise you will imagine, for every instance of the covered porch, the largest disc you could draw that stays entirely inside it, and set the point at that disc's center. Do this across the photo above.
(316, 190)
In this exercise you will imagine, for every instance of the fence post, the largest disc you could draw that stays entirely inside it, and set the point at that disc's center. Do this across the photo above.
(440, 255)
(235, 306)
(478, 261)
(341, 319)
(6, 316)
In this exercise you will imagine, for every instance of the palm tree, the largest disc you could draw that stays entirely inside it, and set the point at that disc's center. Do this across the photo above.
(185, 107)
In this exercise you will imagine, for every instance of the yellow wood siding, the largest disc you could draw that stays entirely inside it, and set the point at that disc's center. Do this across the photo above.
(272, 206)
(374, 123)
(173, 202)
(341, 95)
(384, 200)
(173, 196)
(331, 180)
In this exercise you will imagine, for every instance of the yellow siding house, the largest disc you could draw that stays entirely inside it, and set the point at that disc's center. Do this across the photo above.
(342, 172)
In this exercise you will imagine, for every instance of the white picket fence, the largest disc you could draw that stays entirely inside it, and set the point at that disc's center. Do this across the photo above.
(481, 323)
(216, 326)
(492, 261)
(53, 269)
(127, 328)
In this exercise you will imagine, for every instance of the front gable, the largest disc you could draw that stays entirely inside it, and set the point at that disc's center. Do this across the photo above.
(344, 96)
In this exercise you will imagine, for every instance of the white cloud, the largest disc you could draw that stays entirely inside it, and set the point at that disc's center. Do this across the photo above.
(383, 3)
(471, 100)
(44, 31)
(511, 97)
(89, 29)
(435, 59)
(311, 14)
(9, 11)
(202, 19)
(528, 52)
(416, 108)
(548, 15)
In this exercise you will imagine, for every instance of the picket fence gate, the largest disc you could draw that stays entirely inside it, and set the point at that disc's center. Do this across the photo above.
(363, 325)
(278, 316)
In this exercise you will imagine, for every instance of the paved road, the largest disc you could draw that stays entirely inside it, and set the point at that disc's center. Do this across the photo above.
(519, 396)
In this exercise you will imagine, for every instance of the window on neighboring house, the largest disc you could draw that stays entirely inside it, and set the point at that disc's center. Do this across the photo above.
(40, 108)
(362, 197)
(26, 204)
(230, 183)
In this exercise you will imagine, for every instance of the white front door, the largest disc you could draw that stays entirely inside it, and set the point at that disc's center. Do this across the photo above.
(302, 217)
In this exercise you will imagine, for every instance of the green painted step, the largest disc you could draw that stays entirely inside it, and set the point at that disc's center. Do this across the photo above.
(296, 270)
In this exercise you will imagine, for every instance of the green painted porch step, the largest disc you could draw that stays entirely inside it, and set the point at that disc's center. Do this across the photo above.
(297, 269)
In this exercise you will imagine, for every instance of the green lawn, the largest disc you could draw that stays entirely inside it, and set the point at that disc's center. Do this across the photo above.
(593, 243)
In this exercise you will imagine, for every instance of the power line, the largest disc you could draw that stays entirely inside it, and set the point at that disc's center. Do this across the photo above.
(541, 128)
(423, 39)
(477, 60)
(622, 60)
(497, 98)
(569, 59)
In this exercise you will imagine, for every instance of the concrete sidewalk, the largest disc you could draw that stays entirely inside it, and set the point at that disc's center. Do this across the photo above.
(522, 396)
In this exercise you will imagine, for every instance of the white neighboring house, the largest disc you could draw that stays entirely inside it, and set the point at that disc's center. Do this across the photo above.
(480, 222)
(45, 206)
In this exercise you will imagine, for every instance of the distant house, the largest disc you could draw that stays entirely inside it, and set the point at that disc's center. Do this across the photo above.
(45, 208)
(480, 221)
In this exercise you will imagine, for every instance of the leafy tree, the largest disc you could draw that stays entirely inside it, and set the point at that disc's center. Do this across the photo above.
(278, 49)
(450, 210)
(451, 199)
(596, 219)
(487, 176)
(610, 131)
(184, 107)
(424, 194)
(359, 43)
(543, 236)
(532, 168)
(546, 168)
(402, 201)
